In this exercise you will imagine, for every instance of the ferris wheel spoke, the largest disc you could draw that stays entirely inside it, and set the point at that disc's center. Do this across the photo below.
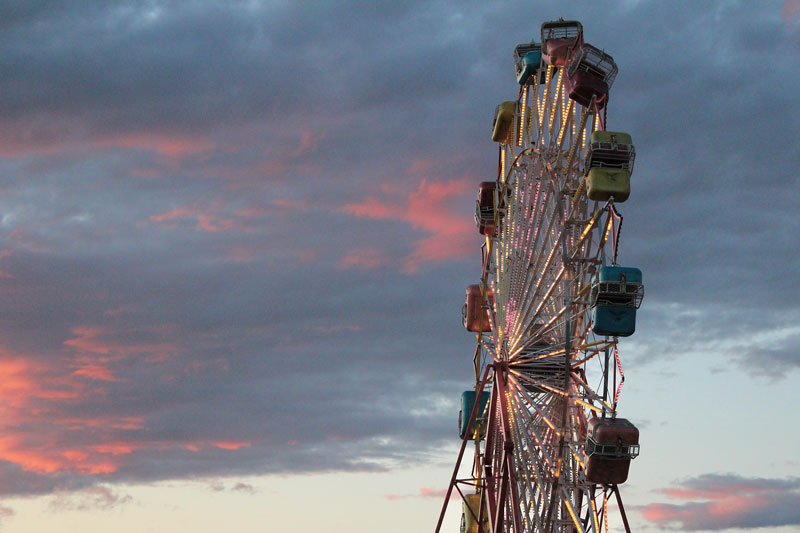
(536, 474)
(535, 283)
(528, 476)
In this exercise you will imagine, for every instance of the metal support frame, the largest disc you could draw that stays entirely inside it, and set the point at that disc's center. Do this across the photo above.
(499, 487)
(454, 479)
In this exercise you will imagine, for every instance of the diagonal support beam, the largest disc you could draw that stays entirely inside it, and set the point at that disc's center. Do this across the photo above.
(464, 441)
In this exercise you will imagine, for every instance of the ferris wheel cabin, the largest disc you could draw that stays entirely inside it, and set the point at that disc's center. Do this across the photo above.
(485, 206)
(467, 403)
(475, 312)
(590, 74)
(617, 293)
(611, 443)
(470, 510)
(503, 121)
(527, 59)
(559, 37)
(609, 163)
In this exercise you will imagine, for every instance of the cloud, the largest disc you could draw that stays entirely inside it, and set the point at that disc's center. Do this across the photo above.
(247, 291)
(205, 221)
(226, 445)
(765, 349)
(437, 494)
(6, 512)
(219, 486)
(725, 501)
(243, 487)
(93, 498)
(369, 259)
(428, 208)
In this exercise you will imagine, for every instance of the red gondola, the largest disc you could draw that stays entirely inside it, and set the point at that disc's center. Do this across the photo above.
(590, 74)
(611, 443)
(474, 313)
(485, 208)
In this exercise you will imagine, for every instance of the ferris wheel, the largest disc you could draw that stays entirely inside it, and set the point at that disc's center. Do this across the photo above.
(549, 447)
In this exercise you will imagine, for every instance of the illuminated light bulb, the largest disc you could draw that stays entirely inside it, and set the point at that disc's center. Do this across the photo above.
(594, 516)
(575, 124)
(497, 262)
(546, 96)
(572, 514)
(583, 137)
(523, 108)
(554, 109)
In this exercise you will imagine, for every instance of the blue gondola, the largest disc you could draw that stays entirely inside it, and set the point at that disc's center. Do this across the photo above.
(467, 403)
(527, 59)
(616, 294)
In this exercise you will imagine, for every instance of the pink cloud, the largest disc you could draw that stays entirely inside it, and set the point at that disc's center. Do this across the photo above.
(289, 204)
(308, 142)
(126, 422)
(40, 435)
(252, 212)
(95, 350)
(92, 341)
(167, 144)
(284, 158)
(425, 493)
(374, 208)
(205, 221)
(86, 340)
(363, 258)
(115, 448)
(217, 218)
(716, 502)
(164, 144)
(449, 232)
(43, 456)
(95, 371)
(231, 445)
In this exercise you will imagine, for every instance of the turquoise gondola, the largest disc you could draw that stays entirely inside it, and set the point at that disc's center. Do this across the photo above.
(616, 294)
(467, 403)
(527, 59)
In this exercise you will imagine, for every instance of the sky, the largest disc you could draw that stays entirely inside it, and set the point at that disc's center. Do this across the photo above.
(235, 236)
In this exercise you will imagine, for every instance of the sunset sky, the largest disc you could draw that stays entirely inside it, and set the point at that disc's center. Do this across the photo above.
(236, 237)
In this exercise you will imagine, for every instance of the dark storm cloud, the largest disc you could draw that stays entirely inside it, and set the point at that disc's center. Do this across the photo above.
(198, 284)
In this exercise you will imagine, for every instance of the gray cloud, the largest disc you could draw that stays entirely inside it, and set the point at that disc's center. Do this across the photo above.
(173, 188)
(95, 497)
